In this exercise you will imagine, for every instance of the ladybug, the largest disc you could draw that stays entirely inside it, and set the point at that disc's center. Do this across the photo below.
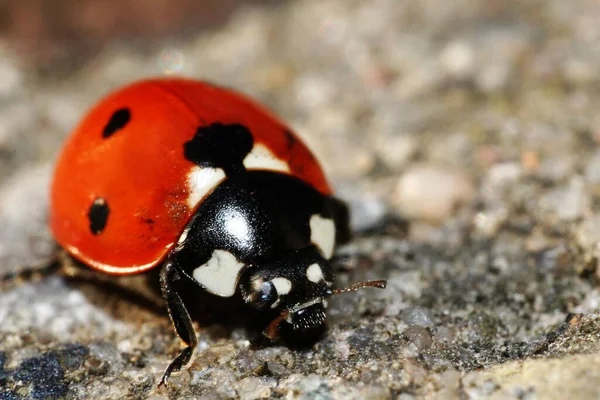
(210, 186)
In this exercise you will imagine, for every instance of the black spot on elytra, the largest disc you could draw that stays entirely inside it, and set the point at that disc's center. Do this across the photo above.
(220, 146)
(292, 140)
(98, 215)
(117, 121)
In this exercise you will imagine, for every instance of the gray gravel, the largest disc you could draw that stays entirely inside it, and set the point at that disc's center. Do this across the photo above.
(465, 139)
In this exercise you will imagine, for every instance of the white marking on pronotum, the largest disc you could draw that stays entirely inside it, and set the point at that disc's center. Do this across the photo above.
(262, 158)
(282, 285)
(322, 234)
(202, 181)
(314, 273)
(220, 274)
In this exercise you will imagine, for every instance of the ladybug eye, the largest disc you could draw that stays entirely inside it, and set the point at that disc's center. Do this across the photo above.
(266, 295)
(262, 294)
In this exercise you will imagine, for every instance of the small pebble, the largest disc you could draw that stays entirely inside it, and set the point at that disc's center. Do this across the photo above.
(417, 316)
(311, 383)
(253, 388)
(419, 336)
(443, 334)
(568, 203)
(458, 58)
(431, 192)
(277, 369)
(415, 372)
(395, 151)
(501, 177)
(375, 392)
(107, 354)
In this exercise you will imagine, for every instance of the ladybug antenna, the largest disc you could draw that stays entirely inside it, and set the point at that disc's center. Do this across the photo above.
(381, 284)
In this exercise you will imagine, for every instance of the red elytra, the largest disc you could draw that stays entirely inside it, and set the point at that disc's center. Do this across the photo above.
(141, 171)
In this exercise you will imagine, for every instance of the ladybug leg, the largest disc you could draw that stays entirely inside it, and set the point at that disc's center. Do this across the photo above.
(180, 317)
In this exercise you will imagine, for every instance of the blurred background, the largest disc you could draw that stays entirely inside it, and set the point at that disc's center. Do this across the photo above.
(58, 35)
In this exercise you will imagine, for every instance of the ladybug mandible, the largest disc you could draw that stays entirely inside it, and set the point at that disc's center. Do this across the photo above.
(210, 185)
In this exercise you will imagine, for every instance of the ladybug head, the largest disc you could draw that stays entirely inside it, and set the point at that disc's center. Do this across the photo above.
(296, 286)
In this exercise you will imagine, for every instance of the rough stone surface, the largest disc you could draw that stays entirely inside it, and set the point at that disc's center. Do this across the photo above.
(492, 287)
